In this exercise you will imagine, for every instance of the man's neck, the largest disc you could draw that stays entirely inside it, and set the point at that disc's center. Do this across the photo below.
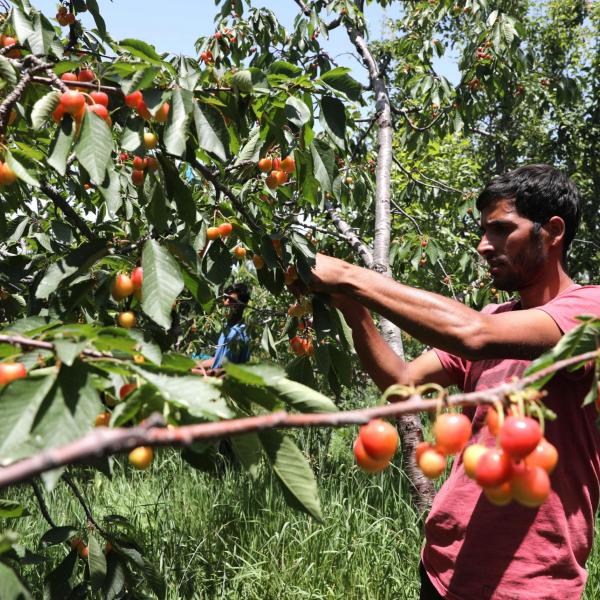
(541, 292)
(234, 319)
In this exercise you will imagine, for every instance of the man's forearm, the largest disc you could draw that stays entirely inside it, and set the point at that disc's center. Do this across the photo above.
(431, 318)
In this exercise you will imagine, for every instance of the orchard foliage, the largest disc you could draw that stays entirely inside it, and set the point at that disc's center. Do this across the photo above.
(229, 164)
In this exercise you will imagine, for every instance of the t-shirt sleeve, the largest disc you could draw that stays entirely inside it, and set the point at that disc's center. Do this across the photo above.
(580, 301)
(455, 366)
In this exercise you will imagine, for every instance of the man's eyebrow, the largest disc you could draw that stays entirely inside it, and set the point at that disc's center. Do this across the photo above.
(494, 223)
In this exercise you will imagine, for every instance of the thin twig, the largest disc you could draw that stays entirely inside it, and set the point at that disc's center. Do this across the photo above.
(88, 513)
(37, 490)
(68, 211)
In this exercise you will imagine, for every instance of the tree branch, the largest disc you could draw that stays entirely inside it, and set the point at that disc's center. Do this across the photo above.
(26, 343)
(68, 211)
(350, 236)
(104, 441)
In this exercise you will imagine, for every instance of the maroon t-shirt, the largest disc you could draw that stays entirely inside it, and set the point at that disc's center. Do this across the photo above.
(475, 550)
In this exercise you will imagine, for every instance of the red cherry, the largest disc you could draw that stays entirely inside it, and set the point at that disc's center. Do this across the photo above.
(72, 102)
(99, 98)
(137, 277)
(493, 468)
(100, 110)
(379, 438)
(452, 431)
(132, 100)
(86, 75)
(127, 389)
(9, 371)
(530, 486)
(519, 436)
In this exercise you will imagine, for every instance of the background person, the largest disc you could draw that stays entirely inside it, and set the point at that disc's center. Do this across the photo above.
(233, 343)
(474, 549)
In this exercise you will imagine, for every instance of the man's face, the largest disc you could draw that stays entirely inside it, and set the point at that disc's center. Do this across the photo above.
(231, 300)
(510, 245)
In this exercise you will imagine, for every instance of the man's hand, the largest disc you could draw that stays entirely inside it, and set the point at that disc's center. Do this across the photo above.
(328, 274)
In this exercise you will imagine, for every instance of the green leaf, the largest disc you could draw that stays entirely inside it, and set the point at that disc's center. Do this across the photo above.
(116, 575)
(20, 171)
(142, 78)
(42, 39)
(267, 342)
(42, 110)
(300, 397)
(94, 146)
(92, 6)
(323, 164)
(179, 116)
(293, 471)
(178, 191)
(290, 393)
(146, 346)
(61, 145)
(142, 50)
(7, 71)
(339, 80)
(68, 351)
(216, 265)
(162, 283)
(133, 132)
(111, 192)
(78, 261)
(281, 67)
(9, 509)
(68, 411)
(333, 120)
(11, 587)
(20, 402)
(248, 450)
(581, 339)
(191, 392)
(211, 130)
(242, 81)
(23, 26)
(58, 535)
(251, 149)
(57, 583)
(297, 112)
(97, 563)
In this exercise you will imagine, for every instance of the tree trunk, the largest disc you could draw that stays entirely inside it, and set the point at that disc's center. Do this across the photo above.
(411, 431)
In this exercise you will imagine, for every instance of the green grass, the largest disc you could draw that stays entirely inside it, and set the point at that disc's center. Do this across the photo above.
(222, 535)
(226, 536)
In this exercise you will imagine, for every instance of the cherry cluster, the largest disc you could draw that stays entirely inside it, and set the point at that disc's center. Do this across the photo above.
(124, 286)
(517, 468)
(278, 169)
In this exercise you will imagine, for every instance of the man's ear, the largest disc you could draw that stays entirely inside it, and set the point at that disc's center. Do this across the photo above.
(555, 226)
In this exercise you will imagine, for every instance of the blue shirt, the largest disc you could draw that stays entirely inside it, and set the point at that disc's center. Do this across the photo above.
(233, 345)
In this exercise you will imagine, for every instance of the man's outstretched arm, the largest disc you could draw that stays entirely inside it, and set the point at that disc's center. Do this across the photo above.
(438, 321)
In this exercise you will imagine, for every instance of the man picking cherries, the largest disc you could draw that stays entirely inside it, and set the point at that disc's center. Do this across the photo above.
(515, 517)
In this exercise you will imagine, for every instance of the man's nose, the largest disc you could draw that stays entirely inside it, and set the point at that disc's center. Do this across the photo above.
(484, 247)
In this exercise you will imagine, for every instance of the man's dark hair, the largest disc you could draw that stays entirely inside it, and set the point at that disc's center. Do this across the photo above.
(242, 291)
(540, 192)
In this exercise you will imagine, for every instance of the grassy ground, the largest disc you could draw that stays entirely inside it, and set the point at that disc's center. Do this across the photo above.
(222, 535)
(225, 536)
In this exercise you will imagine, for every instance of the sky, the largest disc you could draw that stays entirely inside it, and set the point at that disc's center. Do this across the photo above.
(175, 25)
